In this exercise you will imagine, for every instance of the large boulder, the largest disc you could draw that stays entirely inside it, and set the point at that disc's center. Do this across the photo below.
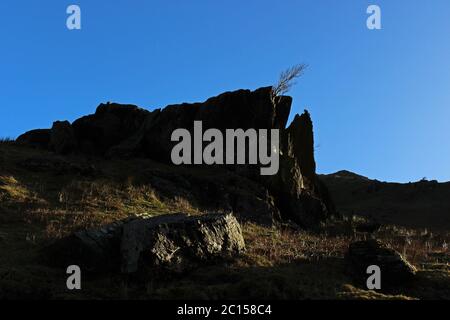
(395, 269)
(170, 242)
(178, 242)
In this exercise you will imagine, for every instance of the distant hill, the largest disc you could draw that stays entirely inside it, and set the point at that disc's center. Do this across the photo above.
(424, 204)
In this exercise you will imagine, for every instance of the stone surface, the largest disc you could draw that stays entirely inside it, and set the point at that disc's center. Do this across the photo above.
(299, 195)
(178, 242)
(39, 138)
(394, 268)
(62, 138)
(170, 242)
(216, 191)
(111, 125)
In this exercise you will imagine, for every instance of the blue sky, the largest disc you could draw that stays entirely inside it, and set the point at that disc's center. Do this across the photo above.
(380, 100)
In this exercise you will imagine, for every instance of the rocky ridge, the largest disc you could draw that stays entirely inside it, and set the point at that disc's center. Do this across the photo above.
(117, 130)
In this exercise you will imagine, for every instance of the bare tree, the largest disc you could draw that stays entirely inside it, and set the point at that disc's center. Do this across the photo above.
(286, 81)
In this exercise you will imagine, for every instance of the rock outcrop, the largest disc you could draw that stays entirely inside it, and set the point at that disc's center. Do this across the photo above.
(38, 138)
(214, 190)
(395, 270)
(170, 243)
(126, 131)
(110, 126)
(62, 137)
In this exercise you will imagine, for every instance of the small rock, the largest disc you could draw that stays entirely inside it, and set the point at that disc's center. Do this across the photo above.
(394, 268)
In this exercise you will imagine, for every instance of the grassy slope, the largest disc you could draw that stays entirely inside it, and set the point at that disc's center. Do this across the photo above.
(419, 204)
(41, 200)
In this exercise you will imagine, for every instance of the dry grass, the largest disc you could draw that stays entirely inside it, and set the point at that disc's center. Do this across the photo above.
(268, 247)
(181, 204)
(7, 141)
(12, 190)
(107, 197)
(279, 263)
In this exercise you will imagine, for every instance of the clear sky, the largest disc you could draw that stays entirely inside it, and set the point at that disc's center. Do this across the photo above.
(380, 100)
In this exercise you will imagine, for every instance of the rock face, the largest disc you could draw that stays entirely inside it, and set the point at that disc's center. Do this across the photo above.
(213, 190)
(126, 131)
(170, 242)
(110, 126)
(300, 196)
(62, 137)
(395, 270)
(39, 138)
(177, 242)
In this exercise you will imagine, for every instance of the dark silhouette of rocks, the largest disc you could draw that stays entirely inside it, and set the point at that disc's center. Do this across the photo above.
(395, 270)
(110, 126)
(62, 137)
(169, 243)
(39, 138)
(127, 131)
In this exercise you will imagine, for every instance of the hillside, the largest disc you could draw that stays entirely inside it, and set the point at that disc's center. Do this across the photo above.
(102, 193)
(422, 204)
(46, 197)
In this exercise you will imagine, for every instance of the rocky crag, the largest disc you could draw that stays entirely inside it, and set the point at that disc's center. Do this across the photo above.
(293, 194)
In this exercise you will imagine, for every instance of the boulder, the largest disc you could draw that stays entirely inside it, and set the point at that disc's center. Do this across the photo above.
(179, 242)
(168, 243)
(395, 269)
(62, 138)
